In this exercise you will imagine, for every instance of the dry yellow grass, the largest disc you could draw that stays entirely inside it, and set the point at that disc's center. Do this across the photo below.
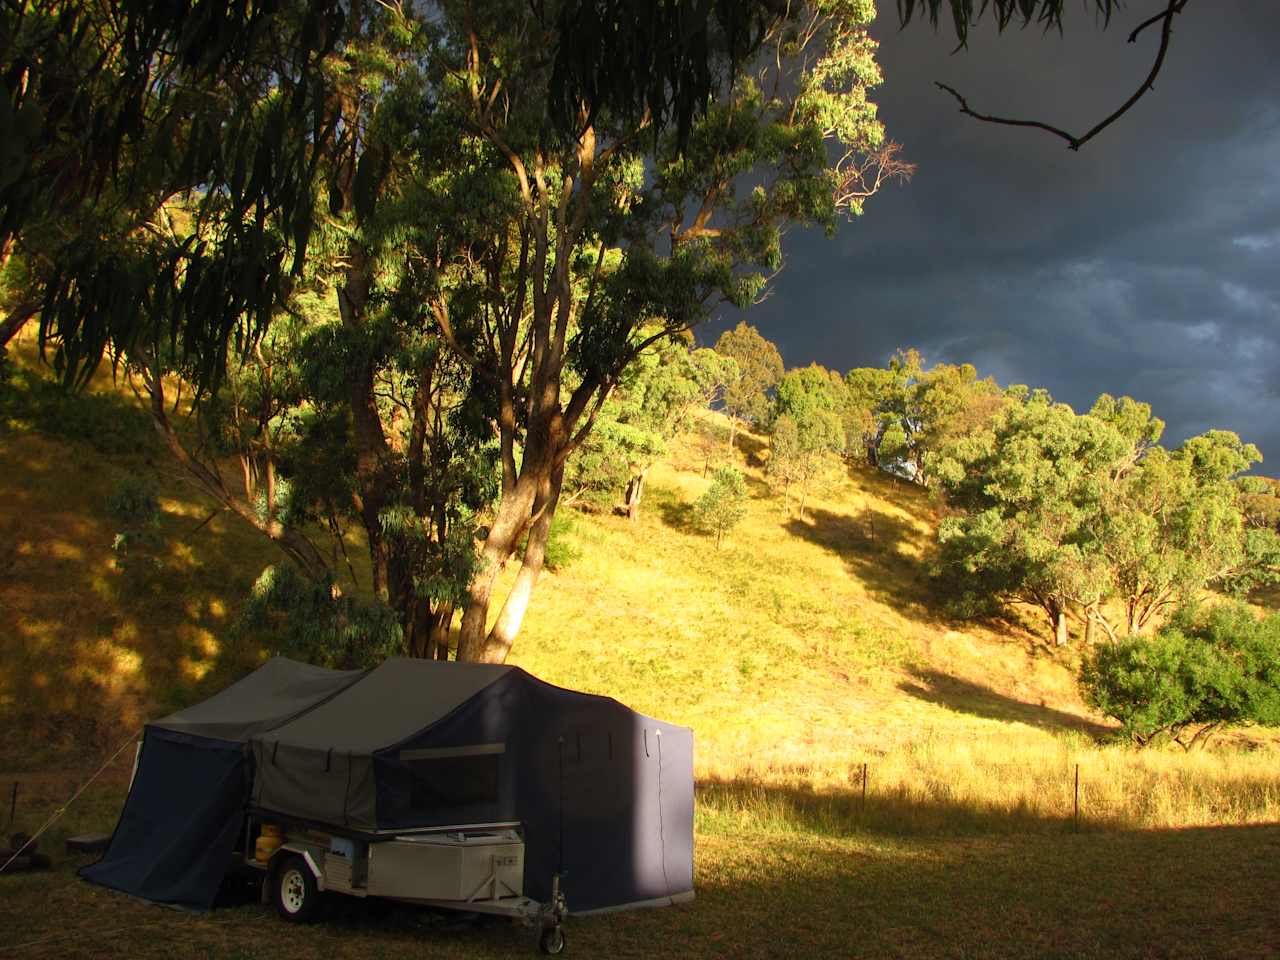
(801, 650)
(798, 652)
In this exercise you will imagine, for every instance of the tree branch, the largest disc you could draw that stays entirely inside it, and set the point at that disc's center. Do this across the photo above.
(1074, 142)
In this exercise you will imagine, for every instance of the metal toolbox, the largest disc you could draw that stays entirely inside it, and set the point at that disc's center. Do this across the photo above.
(471, 865)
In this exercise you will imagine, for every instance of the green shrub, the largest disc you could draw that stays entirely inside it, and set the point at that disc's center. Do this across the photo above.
(311, 621)
(724, 504)
(1203, 670)
(562, 550)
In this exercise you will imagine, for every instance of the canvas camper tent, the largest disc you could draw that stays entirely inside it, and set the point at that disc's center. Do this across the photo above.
(601, 793)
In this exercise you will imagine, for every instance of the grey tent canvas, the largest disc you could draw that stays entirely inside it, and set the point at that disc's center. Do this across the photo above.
(604, 795)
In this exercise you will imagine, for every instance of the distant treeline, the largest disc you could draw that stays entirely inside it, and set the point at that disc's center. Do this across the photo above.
(1085, 516)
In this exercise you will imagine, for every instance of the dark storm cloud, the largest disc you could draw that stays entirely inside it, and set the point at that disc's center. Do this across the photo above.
(1147, 264)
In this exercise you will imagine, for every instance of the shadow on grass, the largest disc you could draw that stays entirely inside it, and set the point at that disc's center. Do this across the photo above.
(965, 696)
(94, 641)
(812, 888)
(1086, 897)
(753, 448)
(896, 811)
(872, 545)
(675, 513)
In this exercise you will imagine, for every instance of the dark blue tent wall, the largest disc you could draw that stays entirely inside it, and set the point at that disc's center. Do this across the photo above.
(174, 839)
(615, 786)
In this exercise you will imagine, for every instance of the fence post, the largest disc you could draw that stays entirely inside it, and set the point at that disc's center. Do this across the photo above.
(1076, 817)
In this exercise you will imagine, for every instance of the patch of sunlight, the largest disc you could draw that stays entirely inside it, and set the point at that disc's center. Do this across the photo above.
(194, 669)
(184, 554)
(124, 662)
(217, 609)
(207, 645)
(181, 508)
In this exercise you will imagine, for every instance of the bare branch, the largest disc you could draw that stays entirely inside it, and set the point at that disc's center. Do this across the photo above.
(1165, 17)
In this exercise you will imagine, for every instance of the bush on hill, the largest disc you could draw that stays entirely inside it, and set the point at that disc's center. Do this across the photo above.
(1199, 673)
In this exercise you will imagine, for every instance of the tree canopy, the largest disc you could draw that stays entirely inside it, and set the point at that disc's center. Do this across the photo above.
(1070, 511)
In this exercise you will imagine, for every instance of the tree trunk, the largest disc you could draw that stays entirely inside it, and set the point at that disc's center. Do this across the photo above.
(16, 320)
(1060, 628)
(438, 637)
(497, 644)
(733, 430)
(513, 515)
(635, 491)
(1089, 630)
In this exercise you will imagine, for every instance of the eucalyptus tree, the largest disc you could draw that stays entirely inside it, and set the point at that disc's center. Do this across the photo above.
(1076, 512)
(760, 368)
(723, 505)
(1175, 524)
(590, 248)
(807, 430)
(913, 415)
(1030, 492)
(656, 398)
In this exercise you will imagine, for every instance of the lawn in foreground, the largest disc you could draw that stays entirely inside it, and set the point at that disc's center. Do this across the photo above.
(1194, 893)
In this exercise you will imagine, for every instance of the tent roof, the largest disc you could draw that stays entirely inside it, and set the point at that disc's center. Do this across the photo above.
(275, 693)
(393, 701)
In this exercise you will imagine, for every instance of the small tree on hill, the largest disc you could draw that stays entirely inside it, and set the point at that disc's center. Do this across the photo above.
(807, 429)
(1193, 677)
(759, 369)
(724, 504)
(656, 400)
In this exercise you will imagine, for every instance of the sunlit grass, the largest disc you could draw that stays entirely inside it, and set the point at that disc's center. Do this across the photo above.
(797, 652)
(800, 651)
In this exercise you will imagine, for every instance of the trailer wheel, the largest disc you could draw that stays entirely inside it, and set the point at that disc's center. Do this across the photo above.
(294, 890)
(552, 940)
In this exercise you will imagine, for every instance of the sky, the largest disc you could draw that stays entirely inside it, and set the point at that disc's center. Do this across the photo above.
(1146, 264)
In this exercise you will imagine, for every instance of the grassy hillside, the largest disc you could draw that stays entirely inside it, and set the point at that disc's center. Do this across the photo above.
(798, 652)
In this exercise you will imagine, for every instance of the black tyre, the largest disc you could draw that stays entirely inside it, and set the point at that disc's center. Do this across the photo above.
(294, 890)
(552, 940)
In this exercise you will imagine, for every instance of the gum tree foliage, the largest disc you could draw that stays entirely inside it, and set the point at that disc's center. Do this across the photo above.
(723, 505)
(293, 615)
(254, 119)
(656, 398)
(144, 100)
(807, 432)
(760, 367)
(1029, 490)
(1200, 672)
(867, 392)
(907, 414)
(546, 318)
(1070, 512)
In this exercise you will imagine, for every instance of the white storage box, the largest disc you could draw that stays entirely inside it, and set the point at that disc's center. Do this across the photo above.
(475, 865)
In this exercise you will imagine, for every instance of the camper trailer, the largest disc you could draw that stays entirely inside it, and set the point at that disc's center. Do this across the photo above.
(463, 786)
